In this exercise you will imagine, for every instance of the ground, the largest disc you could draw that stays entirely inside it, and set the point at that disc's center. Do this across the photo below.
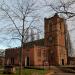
(52, 70)
(26, 71)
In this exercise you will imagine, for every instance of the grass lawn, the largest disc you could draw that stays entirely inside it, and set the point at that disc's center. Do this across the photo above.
(28, 72)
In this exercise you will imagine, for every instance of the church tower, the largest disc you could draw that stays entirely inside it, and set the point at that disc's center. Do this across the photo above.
(54, 28)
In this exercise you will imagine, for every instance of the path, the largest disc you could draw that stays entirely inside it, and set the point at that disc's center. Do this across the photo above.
(56, 71)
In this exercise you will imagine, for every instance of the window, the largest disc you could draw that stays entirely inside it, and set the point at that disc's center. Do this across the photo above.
(50, 26)
(60, 25)
(39, 53)
(50, 39)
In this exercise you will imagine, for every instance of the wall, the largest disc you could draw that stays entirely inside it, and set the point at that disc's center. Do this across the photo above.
(55, 40)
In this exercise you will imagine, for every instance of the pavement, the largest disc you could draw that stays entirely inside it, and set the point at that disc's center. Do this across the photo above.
(56, 71)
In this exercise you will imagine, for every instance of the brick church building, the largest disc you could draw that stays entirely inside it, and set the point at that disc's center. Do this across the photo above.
(52, 50)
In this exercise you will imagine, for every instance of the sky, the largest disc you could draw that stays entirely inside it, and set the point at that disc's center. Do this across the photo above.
(43, 12)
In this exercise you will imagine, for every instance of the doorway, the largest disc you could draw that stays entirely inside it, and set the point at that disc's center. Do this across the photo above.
(12, 61)
(62, 61)
(27, 62)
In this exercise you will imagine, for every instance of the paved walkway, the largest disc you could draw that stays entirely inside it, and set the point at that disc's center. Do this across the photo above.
(56, 71)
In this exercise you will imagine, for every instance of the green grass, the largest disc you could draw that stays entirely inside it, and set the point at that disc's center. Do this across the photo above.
(28, 72)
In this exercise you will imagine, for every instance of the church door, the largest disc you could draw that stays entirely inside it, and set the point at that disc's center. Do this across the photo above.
(62, 61)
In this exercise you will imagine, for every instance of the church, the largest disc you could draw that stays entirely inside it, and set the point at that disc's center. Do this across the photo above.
(51, 50)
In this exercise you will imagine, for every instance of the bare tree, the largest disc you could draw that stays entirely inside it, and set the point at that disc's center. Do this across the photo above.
(20, 16)
(2, 55)
(62, 7)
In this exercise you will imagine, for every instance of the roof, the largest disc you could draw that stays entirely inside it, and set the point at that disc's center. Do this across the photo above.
(71, 58)
(39, 42)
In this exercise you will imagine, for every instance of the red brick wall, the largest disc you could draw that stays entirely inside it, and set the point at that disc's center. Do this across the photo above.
(11, 53)
(40, 55)
(36, 55)
(55, 40)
